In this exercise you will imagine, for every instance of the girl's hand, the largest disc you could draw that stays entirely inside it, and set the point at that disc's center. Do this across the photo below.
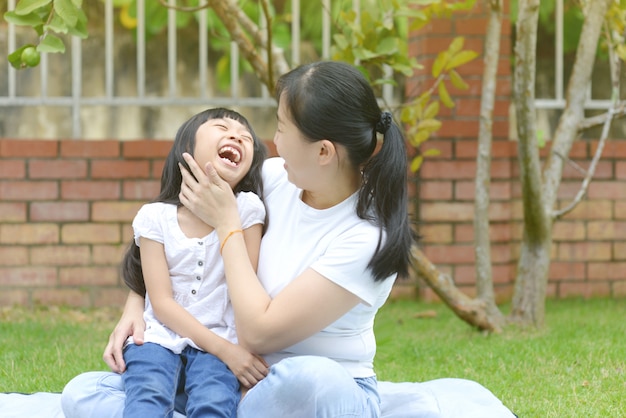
(131, 323)
(209, 198)
(249, 368)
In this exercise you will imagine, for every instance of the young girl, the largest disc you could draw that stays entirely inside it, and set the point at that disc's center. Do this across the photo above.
(190, 334)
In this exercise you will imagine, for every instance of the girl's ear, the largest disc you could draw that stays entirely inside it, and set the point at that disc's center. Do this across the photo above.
(327, 152)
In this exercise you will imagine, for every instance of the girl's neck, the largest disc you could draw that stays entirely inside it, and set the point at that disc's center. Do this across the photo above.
(191, 225)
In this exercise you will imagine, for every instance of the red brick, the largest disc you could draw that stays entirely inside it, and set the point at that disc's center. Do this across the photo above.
(498, 190)
(28, 276)
(29, 149)
(606, 271)
(450, 254)
(90, 190)
(432, 212)
(144, 190)
(12, 169)
(435, 190)
(614, 149)
(70, 297)
(109, 254)
(14, 297)
(568, 231)
(90, 149)
(59, 211)
(12, 212)
(90, 233)
(13, 255)
(618, 289)
(89, 276)
(123, 211)
(570, 271)
(26, 190)
(146, 149)
(448, 170)
(436, 233)
(116, 169)
(606, 190)
(590, 251)
(60, 255)
(458, 129)
(606, 230)
(584, 289)
(105, 297)
(43, 233)
(604, 170)
(57, 169)
(590, 209)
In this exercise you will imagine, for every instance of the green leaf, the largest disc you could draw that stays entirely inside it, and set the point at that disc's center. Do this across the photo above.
(416, 163)
(25, 7)
(444, 96)
(31, 19)
(430, 125)
(57, 25)
(456, 45)
(15, 58)
(440, 63)
(461, 58)
(51, 43)
(457, 80)
(431, 110)
(67, 11)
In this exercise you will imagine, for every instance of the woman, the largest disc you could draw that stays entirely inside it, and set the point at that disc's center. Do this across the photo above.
(337, 236)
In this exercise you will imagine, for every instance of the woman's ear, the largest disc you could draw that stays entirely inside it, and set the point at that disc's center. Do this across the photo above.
(327, 152)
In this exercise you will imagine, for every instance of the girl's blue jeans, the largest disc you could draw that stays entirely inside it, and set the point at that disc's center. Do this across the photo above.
(155, 374)
(297, 387)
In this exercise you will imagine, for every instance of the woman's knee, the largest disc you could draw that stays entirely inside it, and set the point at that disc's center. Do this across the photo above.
(93, 394)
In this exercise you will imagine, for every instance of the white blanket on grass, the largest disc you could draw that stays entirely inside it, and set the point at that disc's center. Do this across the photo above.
(440, 398)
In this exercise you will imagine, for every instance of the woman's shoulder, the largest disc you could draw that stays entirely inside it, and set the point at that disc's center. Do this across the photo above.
(156, 208)
(273, 174)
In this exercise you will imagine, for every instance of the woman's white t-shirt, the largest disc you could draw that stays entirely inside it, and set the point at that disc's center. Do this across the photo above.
(196, 270)
(337, 244)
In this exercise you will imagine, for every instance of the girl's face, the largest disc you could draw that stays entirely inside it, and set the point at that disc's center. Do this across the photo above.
(299, 154)
(228, 145)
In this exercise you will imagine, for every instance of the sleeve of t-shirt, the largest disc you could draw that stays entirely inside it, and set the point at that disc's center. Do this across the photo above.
(146, 223)
(346, 259)
(251, 209)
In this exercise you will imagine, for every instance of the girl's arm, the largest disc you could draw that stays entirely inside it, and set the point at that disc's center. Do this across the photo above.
(248, 368)
(305, 306)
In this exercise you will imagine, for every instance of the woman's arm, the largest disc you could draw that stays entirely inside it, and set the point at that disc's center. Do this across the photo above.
(305, 306)
(131, 323)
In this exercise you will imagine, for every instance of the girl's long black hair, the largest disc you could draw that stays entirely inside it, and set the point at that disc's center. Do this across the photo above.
(333, 100)
(171, 180)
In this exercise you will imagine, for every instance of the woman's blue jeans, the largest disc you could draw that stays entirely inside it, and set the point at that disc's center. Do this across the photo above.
(297, 387)
(154, 374)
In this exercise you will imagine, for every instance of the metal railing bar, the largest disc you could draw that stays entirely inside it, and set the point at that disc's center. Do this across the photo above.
(171, 48)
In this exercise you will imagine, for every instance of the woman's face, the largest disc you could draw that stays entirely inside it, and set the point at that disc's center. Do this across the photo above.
(299, 154)
(228, 145)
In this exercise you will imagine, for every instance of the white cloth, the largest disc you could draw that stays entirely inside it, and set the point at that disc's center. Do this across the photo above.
(334, 242)
(196, 269)
(440, 398)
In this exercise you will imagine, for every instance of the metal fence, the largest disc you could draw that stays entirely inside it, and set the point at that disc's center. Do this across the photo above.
(93, 91)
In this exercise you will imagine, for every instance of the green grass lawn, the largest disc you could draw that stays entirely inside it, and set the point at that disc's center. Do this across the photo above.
(574, 367)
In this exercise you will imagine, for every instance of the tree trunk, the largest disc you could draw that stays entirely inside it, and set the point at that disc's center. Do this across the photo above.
(469, 310)
(540, 199)
(532, 270)
(482, 240)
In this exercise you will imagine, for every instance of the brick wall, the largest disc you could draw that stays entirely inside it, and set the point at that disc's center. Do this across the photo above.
(66, 208)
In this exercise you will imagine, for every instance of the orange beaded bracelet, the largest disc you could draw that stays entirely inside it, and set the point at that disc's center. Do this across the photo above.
(228, 236)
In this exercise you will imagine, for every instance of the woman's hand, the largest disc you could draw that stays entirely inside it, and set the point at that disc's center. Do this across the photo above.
(209, 198)
(131, 323)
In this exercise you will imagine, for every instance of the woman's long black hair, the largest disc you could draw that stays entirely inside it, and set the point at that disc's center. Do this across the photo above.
(171, 180)
(333, 100)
